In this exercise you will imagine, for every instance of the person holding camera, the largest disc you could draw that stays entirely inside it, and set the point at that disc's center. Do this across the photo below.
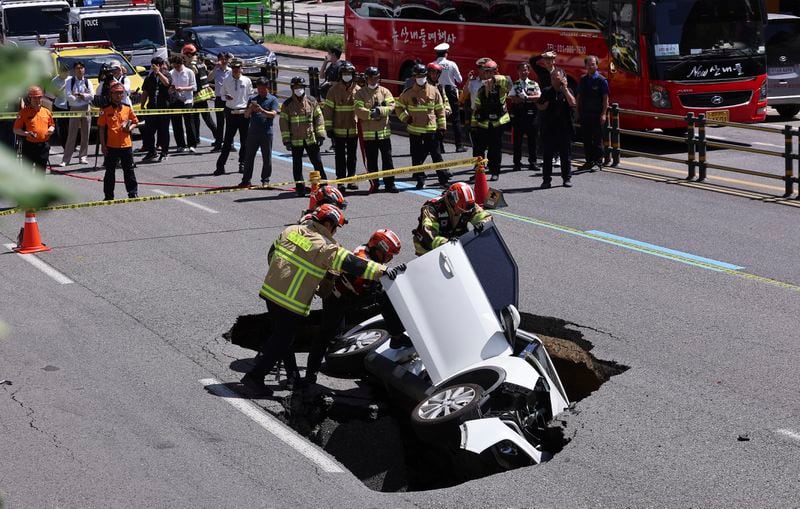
(184, 86)
(302, 129)
(261, 110)
(116, 122)
(237, 91)
(330, 70)
(111, 74)
(35, 125)
(79, 96)
(374, 103)
(556, 105)
(155, 95)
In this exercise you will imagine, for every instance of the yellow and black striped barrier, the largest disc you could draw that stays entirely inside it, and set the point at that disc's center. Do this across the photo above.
(444, 165)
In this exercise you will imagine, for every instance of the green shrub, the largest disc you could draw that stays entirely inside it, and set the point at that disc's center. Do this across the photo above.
(321, 42)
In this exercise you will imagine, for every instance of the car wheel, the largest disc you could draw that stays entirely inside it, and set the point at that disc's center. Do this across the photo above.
(438, 416)
(347, 355)
(788, 111)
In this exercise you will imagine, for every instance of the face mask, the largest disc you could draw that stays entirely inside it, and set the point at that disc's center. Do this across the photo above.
(299, 92)
(421, 81)
(347, 78)
(373, 87)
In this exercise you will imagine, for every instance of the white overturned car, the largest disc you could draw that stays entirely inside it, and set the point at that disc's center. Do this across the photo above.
(478, 382)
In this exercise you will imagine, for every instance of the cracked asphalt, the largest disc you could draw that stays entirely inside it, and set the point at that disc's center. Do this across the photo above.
(124, 420)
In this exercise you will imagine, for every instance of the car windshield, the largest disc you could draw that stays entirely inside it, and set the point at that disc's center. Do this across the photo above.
(783, 42)
(222, 38)
(126, 32)
(93, 62)
(36, 20)
(682, 28)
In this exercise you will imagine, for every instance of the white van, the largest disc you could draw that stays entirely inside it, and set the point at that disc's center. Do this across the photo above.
(136, 29)
(33, 23)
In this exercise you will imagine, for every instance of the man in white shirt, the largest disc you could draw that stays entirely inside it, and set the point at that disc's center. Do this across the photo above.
(79, 96)
(184, 84)
(237, 91)
(451, 79)
(221, 71)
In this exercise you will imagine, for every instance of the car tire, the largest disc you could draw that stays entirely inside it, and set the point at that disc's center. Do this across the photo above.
(787, 111)
(347, 355)
(437, 417)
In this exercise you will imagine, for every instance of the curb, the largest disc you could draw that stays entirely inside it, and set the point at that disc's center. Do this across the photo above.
(298, 55)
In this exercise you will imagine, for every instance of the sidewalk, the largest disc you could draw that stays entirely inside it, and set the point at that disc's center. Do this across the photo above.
(284, 50)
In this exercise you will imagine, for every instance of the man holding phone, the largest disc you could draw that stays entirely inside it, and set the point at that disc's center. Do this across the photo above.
(261, 110)
(556, 105)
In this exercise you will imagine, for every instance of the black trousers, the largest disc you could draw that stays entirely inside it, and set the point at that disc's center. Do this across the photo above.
(277, 346)
(346, 158)
(490, 142)
(179, 121)
(258, 140)
(233, 123)
(560, 144)
(524, 127)
(383, 147)
(219, 134)
(36, 153)
(155, 134)
(592, 131)
(312, 149)
(475, 136)
(124, 156)
(423, 145)
(455, 117)
(208, 119)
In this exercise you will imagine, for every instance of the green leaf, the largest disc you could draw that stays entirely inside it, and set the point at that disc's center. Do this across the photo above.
(21, 68)
(27, 189)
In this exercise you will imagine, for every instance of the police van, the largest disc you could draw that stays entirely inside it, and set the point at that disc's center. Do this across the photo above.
(134, 27)
(33, 23)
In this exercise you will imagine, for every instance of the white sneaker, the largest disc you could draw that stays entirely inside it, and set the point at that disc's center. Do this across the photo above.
(62, 164)
(83, 160)
(192, 149)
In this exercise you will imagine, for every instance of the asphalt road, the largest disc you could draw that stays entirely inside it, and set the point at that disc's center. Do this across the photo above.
(107, 408)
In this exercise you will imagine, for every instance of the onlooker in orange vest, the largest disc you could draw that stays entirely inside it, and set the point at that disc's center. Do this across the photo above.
(35, 124)
(116, 123)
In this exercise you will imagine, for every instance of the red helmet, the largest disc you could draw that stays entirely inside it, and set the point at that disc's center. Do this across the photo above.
(385, 243)
(433, 66)
(189, 48)
(490, 65)
(329, 194)
(461, 197)
(328, 212)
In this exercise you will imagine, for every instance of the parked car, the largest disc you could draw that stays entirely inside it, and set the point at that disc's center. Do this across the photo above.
(783, 64)
(474, 379)
(211, 40)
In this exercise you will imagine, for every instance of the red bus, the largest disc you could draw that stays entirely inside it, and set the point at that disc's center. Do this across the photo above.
(664, 56)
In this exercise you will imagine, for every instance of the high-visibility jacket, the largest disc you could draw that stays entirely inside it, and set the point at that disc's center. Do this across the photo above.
(356, 285)
(365, 100)
(438, 223)
(301, 121)
(339, 110)
(422, 108)
(490, 108)
(298, 261)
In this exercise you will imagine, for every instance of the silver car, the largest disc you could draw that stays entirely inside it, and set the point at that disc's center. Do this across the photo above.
(783, 64)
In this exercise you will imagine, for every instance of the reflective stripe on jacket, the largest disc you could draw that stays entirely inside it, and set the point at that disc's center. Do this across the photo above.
(301, 256)
(301, 121)
(339, 110)
(437, 224)
(422, 108)
(365, 100)
(490, 110)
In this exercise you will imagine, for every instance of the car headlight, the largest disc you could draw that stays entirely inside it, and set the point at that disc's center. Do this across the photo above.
(659, 97)
(272, 58)
(762, 95)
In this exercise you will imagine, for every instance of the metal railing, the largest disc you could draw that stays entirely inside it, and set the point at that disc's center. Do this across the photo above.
(281, 21)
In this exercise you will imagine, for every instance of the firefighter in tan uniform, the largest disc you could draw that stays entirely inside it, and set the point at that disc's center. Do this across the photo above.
(374, 103)
(298, 261)
(302, 129)
(340, 121)
(422, 107)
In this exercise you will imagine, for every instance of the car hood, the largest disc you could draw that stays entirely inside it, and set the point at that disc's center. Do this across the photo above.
(241, 51)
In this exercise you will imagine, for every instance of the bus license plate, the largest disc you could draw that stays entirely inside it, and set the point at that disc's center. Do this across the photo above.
(718, 115)
(251, 70)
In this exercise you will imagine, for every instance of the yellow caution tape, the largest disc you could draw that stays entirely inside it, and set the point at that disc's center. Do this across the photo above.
(456, 163)
(139, 113)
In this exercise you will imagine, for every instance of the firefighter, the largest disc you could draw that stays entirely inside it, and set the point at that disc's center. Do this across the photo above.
(340, 122)
(302, 129)
(434, 72)
(374, 103)
(422, 108)
(352, 293)
(491, 117)
(298, 261)
(447, 216)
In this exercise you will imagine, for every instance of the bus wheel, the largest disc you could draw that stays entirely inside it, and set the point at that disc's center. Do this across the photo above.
(787, 111)
(674, 131)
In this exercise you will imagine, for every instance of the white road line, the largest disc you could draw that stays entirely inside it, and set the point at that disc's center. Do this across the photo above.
(274, 426)
(39, 264)
(187, 202)
(789, 433)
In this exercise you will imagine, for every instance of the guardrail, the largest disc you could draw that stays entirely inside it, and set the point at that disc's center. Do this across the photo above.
(278, 21)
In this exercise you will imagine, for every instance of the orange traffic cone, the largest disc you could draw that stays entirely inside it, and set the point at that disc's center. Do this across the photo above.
(31, 240)
(314, 177)
(481, 186)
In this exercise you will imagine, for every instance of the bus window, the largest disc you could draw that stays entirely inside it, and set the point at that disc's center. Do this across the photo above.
(623, 35)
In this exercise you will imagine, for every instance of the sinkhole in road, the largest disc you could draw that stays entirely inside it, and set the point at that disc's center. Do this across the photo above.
(368, 429)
